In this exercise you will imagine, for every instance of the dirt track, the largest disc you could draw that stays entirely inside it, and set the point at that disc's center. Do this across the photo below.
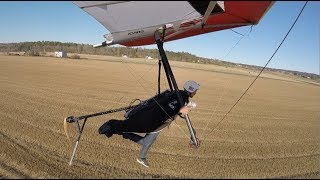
(274, 131)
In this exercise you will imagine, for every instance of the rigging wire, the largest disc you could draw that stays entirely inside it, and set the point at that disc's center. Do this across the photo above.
(262, 68)
(131, 76)
(214, 108)
(131, 71)
(242, 36)
(238, 32)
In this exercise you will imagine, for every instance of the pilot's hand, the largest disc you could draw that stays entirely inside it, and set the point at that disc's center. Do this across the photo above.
(191, 105)
(184, 110)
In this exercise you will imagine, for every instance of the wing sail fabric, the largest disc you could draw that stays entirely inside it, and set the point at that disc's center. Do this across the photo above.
(133, 23)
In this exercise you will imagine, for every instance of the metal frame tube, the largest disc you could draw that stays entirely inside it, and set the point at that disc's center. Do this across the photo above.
(78, 141)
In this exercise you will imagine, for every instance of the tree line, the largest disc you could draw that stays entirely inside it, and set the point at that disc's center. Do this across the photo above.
(39, 47)
(137, 52)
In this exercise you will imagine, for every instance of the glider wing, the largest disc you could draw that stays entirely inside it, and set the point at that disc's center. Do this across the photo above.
(133, 23)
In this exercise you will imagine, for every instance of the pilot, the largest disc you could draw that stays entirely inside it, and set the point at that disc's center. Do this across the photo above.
(151, 119)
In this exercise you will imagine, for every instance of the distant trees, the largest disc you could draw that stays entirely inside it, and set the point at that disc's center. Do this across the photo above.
(51, 46)
(41, 47)
(32, 52)
(75, 56)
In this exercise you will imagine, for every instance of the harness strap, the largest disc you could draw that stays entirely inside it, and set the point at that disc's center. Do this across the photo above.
(159, 74)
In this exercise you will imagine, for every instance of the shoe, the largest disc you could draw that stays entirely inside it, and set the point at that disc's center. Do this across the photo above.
(106, 129)
(143, 161)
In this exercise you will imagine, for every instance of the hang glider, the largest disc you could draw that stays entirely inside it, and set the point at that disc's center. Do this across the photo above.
(133, 23)
(138, 23)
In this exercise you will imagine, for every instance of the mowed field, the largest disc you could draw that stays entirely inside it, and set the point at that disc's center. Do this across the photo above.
(273, 132)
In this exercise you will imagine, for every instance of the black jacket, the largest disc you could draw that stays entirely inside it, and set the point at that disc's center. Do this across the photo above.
(155, 112)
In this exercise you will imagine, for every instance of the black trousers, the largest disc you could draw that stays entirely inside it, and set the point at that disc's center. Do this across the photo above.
(133, 125)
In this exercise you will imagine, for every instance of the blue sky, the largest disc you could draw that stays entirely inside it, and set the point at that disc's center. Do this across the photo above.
(65, 22)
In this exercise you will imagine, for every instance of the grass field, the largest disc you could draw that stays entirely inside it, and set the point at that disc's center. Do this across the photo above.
(273, 132)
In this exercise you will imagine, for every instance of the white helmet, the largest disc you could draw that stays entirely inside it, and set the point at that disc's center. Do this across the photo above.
(191, 86)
